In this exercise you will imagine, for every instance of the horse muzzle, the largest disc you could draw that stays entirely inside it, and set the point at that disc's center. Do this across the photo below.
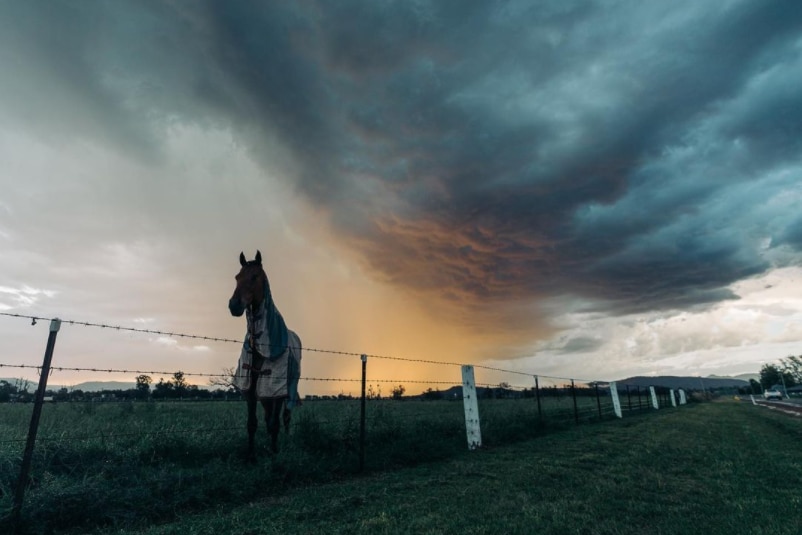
(236, 307)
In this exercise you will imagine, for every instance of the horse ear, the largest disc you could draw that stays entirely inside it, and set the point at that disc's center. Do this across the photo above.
(242, 261)
(258, 257)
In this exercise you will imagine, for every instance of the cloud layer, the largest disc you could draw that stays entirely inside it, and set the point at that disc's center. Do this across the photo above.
(489, 158)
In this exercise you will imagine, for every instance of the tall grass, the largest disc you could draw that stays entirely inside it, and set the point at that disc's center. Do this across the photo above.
(122, 465)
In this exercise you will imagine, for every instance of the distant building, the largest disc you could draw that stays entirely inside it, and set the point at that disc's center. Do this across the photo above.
(794, 391)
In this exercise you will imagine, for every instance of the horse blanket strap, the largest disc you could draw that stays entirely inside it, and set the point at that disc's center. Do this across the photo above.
(246, 366)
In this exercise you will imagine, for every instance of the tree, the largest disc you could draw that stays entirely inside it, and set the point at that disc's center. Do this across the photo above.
(398, 391)
(432, 394)
(225, 379)
(143, 386)
(771, 375)
(755, 387)
(22, 385)
(179, 384)
(163, 389)
(6, 391)
(374, 394)
(792, 366)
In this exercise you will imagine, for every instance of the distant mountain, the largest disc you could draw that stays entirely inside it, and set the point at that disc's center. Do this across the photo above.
(747, 376)
(687, 383)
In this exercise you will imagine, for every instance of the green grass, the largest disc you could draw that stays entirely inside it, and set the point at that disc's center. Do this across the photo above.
(141, 467)
(717, 468)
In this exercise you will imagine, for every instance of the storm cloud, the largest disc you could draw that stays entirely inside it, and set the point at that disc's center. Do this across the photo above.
(483, 155)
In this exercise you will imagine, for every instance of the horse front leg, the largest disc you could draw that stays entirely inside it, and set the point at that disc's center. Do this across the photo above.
(272, 415)
(253, 424)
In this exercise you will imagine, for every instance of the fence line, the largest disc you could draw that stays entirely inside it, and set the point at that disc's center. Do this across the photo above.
(226, 376)
(34, 319)
(470, 394)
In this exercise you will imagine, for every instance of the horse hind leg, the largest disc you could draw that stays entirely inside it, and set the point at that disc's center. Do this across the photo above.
(285, 417)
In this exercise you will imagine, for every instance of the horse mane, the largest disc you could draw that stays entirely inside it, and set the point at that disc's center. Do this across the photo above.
(277, 328)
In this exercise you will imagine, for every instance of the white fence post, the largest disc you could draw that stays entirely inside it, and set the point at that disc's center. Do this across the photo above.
(471, 405)
(654, 398)
(673, 399)
(682, 399)
(616, 401)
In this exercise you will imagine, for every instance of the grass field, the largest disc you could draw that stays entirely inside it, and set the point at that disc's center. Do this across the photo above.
(718, 466)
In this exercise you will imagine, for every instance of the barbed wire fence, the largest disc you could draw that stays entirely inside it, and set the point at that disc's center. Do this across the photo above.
(558, 399)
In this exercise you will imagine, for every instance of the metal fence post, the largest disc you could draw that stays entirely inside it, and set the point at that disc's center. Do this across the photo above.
(19, 496)
(362, 415)
(598, 401)
(629, 399)
(573, 394)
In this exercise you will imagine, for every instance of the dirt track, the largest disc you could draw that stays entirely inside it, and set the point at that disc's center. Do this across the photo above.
(786, 407)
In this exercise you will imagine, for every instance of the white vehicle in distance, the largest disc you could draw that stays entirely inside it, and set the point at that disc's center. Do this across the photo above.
(772, 394)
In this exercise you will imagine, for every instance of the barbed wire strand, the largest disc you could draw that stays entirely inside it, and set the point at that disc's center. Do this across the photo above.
(313, 349)
(226, 376)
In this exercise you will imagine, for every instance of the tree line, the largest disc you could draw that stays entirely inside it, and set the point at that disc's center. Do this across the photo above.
(22, 390)
(787, 373)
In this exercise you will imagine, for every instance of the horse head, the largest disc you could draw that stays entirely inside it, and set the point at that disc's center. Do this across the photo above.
(251, 281)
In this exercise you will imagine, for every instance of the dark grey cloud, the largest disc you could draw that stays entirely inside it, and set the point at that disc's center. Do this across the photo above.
(487, 154)
(579, 344)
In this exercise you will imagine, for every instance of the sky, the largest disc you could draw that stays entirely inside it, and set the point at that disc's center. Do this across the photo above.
(568, 188)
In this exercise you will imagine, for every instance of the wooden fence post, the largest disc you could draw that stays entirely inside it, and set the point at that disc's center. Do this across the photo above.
(19, 496)
(654, 397)
(469, 402)
(537, 395)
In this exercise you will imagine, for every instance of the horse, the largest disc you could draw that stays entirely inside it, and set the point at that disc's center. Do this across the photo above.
(269, 366)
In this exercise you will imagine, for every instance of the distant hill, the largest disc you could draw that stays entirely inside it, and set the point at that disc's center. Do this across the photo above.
(746, 376)
(687, 383)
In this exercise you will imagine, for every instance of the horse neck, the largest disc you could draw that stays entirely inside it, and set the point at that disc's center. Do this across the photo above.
(261, 305)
